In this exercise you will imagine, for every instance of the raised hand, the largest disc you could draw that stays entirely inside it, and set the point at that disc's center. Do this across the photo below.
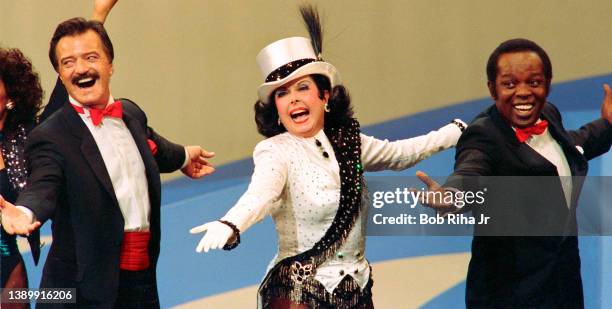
(101, 9)
(441, 207)
(14, 221)
(198, 166)
(217, 235)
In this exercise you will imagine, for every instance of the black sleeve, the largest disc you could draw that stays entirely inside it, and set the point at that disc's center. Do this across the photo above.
(470, 164)
(170, 156)
(474, 156)
(58, 98)
(594, 137)
(46, 176)
(472, 161)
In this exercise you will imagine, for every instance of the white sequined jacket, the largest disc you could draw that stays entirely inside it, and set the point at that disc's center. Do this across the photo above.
(300, 189)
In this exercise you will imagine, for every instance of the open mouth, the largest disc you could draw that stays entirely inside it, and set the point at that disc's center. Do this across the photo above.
(524, 109)
(299, 115)
(85, 82)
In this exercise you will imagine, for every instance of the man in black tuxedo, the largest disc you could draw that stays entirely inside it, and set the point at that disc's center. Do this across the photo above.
(528, 256)
(95, 168)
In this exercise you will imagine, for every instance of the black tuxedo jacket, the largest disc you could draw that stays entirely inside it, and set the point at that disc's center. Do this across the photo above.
(525, 271)
(70, 185)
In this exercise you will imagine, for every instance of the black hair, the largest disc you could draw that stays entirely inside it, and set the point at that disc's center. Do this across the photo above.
(517, 45)
(22, 87)
(76, 26)
(339, 103)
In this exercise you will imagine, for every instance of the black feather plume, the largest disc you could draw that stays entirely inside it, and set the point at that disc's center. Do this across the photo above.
(313, 24)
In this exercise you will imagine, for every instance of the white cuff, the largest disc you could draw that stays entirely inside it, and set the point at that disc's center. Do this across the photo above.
(186, 158)
(452, 132)
(460, 124)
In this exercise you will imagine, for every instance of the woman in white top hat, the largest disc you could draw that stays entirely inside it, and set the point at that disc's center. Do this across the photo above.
(309, 177)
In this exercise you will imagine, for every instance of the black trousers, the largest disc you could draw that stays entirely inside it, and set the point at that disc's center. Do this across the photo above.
(137, 290)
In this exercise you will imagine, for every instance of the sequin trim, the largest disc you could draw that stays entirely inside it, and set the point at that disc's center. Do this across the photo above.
(287, 69)
(14, 158)
(12, 147)
(300, 287)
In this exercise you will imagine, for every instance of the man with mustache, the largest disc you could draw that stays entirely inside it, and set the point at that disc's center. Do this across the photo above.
(528, 257)
(59, 96)
(95, 168)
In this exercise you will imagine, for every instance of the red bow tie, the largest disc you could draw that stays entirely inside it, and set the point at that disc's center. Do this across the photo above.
(114, 109)
(537, 129)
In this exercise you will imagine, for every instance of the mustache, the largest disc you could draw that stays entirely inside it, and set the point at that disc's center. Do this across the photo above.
(92, 74)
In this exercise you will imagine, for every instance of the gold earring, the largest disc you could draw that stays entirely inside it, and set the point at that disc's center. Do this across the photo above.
(10, 105)
(326, 107)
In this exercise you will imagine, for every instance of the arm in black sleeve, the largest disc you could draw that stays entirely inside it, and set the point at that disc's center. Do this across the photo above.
(46, 176)
(58, 98)
(170, 156)
(594, 137)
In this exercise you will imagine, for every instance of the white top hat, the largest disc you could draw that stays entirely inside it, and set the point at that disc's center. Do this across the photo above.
(288, 59)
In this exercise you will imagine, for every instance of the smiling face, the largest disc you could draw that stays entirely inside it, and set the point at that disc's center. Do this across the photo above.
(300, 106)
(85, 68)
(520, 88)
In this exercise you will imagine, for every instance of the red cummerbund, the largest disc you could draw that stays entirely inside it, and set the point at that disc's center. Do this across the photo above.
(135, 251)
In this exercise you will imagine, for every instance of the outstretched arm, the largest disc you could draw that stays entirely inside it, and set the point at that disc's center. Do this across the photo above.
(469, 164)
(262, 196)
(15, 221)
(595, 137)
(379, 155)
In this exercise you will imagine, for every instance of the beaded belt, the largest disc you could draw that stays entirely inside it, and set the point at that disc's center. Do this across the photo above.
(135, 251)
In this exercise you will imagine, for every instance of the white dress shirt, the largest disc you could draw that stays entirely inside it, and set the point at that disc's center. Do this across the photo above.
(547, 147)
(300, 189)
(124, 166)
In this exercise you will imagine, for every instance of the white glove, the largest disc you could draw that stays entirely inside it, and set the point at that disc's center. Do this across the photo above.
(217, 236)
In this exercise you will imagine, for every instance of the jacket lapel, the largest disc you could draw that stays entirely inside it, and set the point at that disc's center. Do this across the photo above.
(576, 161)
(578, 165)
(89, 148)
(140, 138)
(531, 158)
